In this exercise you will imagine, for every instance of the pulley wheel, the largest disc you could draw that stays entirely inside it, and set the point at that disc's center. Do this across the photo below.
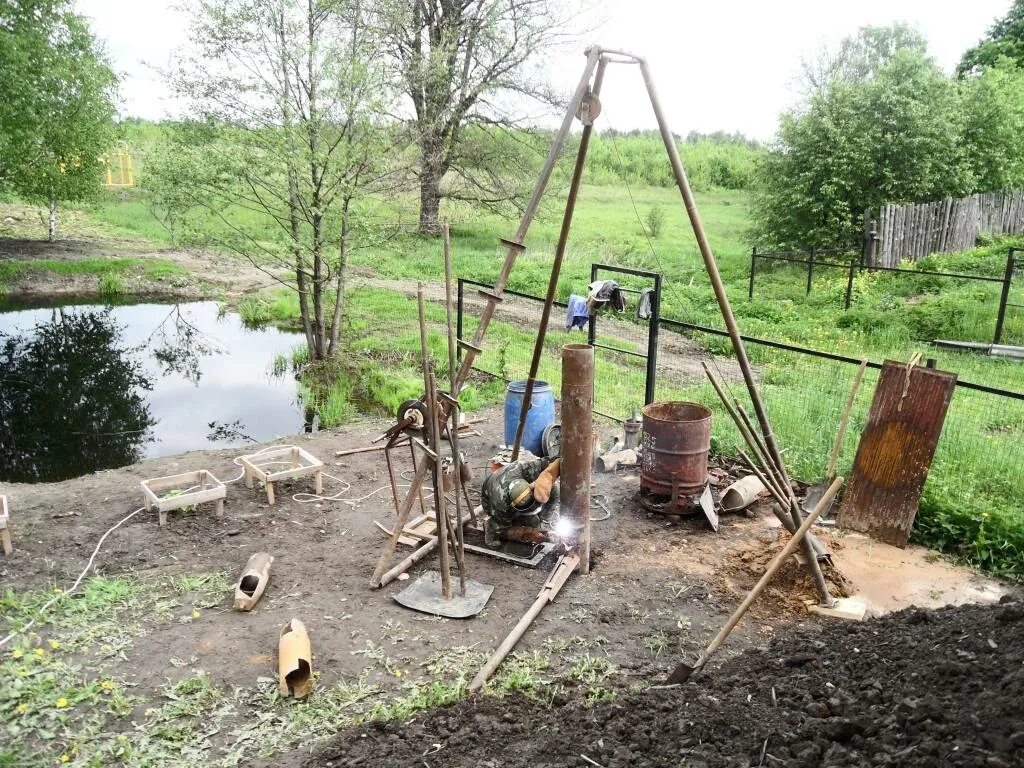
(416, 412)
(551, 441)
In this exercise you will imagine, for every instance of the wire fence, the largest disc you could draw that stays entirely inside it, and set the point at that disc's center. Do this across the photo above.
(620, 367)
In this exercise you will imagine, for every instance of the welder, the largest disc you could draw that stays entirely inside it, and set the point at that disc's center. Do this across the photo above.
(521, 501)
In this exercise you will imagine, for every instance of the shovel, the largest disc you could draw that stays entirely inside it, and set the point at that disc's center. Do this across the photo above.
(682, 673)
(814, 492)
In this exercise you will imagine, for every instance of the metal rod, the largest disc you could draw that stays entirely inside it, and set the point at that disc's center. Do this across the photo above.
(556, 268)
(653, 329)
(408, 562)
(1004, 296)
(711, 266)
(844, 422)
(753, 272)
(563, 569)
(453, 430)
(848, 300)
(391, 476)
(577, 443)
(403, 516)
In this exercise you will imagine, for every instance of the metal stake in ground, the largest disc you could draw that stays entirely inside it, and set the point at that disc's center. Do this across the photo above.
(435, 440)
(454, 411)
(556, 267)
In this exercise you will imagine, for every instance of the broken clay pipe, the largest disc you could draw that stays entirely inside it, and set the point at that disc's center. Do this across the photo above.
(254, 579)
(295, 661)
(742, 493)
(612, 461)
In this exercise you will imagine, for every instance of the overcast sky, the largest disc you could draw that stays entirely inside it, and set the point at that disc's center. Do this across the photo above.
(719, 65)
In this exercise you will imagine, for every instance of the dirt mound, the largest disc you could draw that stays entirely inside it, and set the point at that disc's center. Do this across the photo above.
(788, 589)
(918, 688)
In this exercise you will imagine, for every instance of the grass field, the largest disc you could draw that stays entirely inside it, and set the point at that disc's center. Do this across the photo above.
(971, 505)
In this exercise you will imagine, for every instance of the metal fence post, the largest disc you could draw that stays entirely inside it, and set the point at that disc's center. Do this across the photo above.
(849, 283)
(810, 271)
(458, 322)
(753, 269)
(654, 325)
(1004, 296)
(592, 319)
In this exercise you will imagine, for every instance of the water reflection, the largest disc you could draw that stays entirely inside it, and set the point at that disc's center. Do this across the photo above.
(91, 387)
(70, 398)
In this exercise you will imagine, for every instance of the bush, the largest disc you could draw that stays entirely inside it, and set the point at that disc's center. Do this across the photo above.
(654, 220)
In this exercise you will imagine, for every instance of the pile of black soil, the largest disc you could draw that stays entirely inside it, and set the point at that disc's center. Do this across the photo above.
(918, 688)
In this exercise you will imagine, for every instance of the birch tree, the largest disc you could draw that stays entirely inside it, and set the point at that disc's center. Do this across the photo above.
(285, 145)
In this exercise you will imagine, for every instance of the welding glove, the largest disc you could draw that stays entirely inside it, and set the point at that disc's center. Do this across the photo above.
(542, 485)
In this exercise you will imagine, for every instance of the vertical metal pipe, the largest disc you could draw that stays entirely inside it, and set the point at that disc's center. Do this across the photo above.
(810, 271)
(556, 267)
(849, 284)
(753, 272)
(711, 266)
(458, 329)
(1004, 296)
(453, 429)
(577, 442)
(653, 326)
(434, 427)
(592, 318)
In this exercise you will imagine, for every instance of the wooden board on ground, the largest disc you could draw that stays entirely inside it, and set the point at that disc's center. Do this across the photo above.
(895, 451)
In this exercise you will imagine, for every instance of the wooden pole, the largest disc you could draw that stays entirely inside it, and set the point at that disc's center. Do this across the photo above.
(682, 672)
(563, 569)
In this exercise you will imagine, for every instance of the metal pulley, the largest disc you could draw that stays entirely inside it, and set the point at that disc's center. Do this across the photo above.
(590, 108)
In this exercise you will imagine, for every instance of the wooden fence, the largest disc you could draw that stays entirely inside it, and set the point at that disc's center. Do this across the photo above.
(914, 231)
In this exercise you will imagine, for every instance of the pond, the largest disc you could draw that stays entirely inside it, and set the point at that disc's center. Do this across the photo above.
(90, 386)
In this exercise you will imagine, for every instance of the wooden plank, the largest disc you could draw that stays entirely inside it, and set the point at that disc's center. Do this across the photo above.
(895, 451)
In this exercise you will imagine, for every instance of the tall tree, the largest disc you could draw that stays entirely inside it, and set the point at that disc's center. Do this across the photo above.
(1005, 39)
(993, 107)
(285, 143)
(465, 64)
(56, 104)
(890, 133)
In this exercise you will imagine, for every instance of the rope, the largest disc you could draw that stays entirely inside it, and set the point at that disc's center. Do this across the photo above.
(307, 498)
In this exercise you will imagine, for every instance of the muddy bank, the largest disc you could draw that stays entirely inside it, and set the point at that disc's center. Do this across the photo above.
(918, 688)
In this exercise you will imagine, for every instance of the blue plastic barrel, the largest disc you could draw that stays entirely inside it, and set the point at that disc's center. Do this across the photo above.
(540, 415)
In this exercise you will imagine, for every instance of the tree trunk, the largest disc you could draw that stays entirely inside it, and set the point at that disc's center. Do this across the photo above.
(431, 172)
(53, 221)
(339, 296)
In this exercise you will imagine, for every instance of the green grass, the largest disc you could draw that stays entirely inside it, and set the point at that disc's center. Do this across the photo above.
(893, 316)
(67, 695)
(111, 273)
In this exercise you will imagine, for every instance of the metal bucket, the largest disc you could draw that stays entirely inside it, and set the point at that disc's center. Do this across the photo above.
(676, 441)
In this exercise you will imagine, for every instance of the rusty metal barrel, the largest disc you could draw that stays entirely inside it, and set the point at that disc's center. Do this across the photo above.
(677, 438)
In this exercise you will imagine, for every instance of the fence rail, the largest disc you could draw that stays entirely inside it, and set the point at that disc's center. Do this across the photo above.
(812, 260)
(916, 230)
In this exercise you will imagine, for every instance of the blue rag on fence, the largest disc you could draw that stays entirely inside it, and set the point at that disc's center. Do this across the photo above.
(577, 315)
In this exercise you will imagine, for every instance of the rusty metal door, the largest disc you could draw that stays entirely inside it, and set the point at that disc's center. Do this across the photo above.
(895, 451)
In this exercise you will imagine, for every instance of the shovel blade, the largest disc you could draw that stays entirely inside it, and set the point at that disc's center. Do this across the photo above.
(680, 674)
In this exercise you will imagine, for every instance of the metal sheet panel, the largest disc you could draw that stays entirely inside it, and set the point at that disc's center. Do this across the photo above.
(895, 451)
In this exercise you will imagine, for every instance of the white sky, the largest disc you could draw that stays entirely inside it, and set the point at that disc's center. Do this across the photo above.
(727, 65)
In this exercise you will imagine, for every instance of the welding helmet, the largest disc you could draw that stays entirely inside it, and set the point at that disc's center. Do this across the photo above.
(520, 494)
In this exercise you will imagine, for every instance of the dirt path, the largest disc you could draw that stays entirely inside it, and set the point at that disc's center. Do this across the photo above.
(679, 358)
